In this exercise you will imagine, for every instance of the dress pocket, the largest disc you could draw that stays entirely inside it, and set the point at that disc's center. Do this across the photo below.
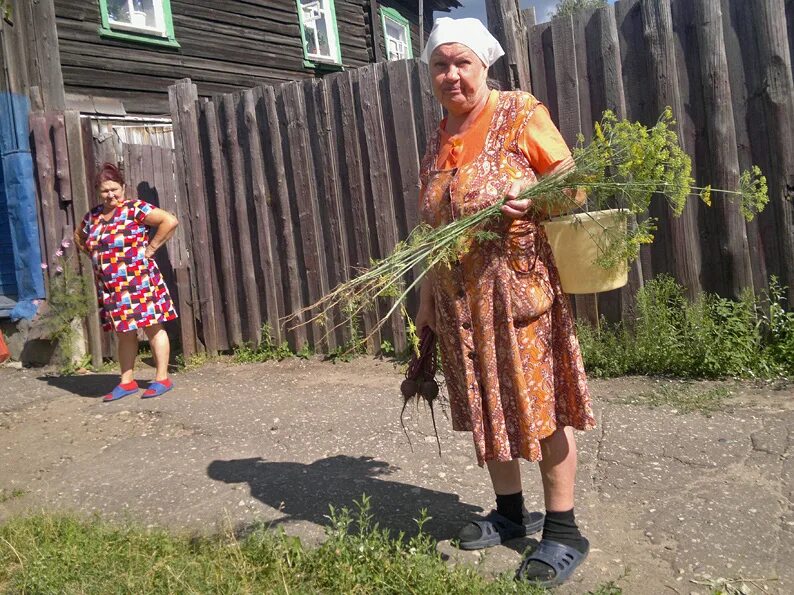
(531, 291)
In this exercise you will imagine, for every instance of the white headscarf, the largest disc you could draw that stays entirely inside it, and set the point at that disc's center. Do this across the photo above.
(469, 32)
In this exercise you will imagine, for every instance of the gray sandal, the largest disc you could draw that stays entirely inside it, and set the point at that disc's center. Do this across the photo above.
(563, 559)
(495, 529)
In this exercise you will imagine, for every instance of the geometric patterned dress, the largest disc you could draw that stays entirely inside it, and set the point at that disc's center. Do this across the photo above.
(130, 288)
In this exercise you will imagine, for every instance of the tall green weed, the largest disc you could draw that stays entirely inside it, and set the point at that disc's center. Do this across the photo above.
(712, 337)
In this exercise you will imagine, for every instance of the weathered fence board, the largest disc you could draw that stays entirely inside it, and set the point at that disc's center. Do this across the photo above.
(733, 256)
(306, 210)
(297, 335)
(189, 168)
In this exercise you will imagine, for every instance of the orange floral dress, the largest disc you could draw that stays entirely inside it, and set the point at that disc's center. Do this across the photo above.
(509, 352)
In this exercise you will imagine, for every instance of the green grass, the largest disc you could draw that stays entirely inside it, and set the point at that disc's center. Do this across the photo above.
(682, 397)
(712, 337)
(62, 554)
(8, 495)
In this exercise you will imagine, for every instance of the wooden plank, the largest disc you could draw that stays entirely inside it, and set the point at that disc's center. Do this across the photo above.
(380, 174)
(304, 192)
(426, 106)
(537, 61)
(90, 173)
(734, 262)
(732, 24)
(80, 203)
(147, 182)
(377, 34)
(274, 153)
(352, 172)
(44, 62)
(182, 97)
(319, 110)
(606, 92)
(684, 253)
(63, 184)
(401, 137)
(177, 251)
(771, 110)
(254, 163)
(570, 118)
(45, 178)
(252, 321)
(551, 74)
(219, 192)
(507, 25)
(633, 64)
(530, 19)
(582, 20)
(269, 215)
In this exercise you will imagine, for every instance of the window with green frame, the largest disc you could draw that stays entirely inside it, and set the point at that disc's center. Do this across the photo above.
(144, 21)
(319, 32)
(396, 34)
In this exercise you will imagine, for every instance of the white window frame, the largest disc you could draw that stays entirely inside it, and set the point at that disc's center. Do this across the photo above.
(161, 35)
(395, 19)
(311, 12)
(159, 16)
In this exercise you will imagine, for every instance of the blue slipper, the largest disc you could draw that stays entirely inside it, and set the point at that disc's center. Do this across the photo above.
(155, 389)
(120, 392)
(495, 529)
(563, 559)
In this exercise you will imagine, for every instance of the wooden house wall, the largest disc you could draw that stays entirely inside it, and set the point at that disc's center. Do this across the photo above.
(225, 45)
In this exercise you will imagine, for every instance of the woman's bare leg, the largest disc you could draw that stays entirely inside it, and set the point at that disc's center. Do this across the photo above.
(127, 351)
(505, 476)
(558, 469)
(161, 349)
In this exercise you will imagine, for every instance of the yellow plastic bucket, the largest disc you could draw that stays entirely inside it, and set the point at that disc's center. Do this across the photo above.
(573, 242)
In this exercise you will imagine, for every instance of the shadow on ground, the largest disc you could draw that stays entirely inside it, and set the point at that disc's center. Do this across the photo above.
(90, 385)
(303, 492)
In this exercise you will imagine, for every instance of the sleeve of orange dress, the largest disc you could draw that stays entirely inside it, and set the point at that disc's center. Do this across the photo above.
(542, 142)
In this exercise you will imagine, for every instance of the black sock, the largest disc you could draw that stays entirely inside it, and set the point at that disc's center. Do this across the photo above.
(561, 527)
(511, 506)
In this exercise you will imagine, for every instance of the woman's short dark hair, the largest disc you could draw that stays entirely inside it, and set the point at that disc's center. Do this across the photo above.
(108, 173)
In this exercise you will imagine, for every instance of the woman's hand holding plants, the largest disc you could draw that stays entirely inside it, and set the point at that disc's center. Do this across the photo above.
(514, 208)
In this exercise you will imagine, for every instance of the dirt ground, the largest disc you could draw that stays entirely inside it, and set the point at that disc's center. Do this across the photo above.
(669, 500)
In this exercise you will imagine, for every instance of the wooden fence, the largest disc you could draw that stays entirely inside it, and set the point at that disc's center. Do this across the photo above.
(725, 67)
(289, 189)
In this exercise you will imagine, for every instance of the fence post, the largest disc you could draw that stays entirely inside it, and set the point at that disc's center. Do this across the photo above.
(735, 272)
(771, 96)
(507, 25)
(191, 198)
(81, 204)
(683, 257)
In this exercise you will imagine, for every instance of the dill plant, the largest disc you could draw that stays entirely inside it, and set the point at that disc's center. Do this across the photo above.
(625, 166)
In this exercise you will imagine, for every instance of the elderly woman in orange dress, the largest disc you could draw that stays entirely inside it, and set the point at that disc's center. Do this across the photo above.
(512, 362)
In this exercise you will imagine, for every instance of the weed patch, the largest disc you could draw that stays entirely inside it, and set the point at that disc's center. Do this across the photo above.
(267, 350)
(712, 337)
(8, 495)
(61, 554)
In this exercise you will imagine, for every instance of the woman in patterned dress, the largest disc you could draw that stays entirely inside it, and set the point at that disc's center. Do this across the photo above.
(130, 289)
(512, 362)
